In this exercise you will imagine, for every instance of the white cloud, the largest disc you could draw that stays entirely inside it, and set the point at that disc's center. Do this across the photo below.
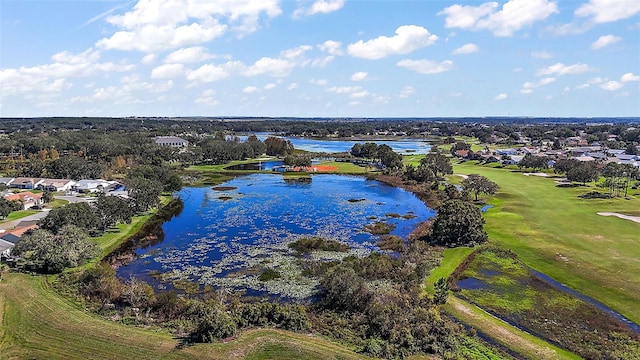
(163, 25)
(603, 11)
(344, 89)
(319, 7)
(151, 38)
(426, 66)
(270, 66)
(319, 82)
(323, 61)
(149, 59)
(207, 98)
(514, 15)
(295, 53)
(270, 86)
(359, 76)
(628, 77)
(332, 47)
(604, 41)
(527, 88)
(501, 96)
(54, 77)
(406, 92)
(562, 69)
(292, 86)
(611, 85)
(359, 94)
(407, 39)
(188, 55)
(543, 54)
(167, 71)
(208, 73)
(466, 49)
(250, 90)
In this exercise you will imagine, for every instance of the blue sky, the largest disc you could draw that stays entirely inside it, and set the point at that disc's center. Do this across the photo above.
(320, 58)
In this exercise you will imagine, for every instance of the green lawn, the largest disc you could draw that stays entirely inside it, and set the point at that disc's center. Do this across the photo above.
(56, 203)
(561, 235)
(452, 258)
(37, 323)
(15, 215)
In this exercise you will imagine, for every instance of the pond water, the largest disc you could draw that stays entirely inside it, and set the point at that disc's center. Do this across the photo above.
(401, 146)
(229, 236)
(259, 166)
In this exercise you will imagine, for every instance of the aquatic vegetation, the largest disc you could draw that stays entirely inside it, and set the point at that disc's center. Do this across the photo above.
(229, 244)
(307, 244)
(379, 228)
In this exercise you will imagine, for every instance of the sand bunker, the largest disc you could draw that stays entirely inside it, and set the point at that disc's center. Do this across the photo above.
(463, 176)
(536, 174)
(621, 216)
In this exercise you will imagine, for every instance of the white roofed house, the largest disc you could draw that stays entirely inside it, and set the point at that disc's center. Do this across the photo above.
(97, 185)
(26, 183)
(6, 181)
(55, 185)
(172, 141)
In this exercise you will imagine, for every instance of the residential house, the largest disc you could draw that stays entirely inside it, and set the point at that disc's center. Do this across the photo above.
(172, 141)
(55, 185)
(6, 181)
(97, 185)
(27, 198)
(26, 183)
(5, 247)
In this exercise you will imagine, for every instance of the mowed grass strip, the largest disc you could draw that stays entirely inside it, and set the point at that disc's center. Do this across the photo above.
(557, 233)
(506, 335)
(37, 323)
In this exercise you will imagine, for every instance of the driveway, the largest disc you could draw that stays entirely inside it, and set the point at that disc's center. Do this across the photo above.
(74, 199)
(11, 224)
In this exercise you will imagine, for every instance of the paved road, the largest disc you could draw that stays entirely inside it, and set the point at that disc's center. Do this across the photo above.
(11, 224)
(74, 199)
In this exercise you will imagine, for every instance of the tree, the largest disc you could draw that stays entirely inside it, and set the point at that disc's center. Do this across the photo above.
(631, 150)
(54, 252)
(391, 160)
(302, 161)
(479, 184)
(458, 223)
(583, 173)
(47, 197)
(161, 174)
(277, 146)
(441, 291)
(258, 146)
(112, 210)
(438, 163)
(534, 162)
(617, 177)
(144, 193)
(460, 145)
(563, 166)
(79, 214)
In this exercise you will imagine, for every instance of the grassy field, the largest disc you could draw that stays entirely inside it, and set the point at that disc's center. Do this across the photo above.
(452, 258)
(39, 324)
(110, 240)
(555, 232)
(16, 215)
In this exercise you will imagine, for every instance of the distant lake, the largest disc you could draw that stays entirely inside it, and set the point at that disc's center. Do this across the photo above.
(403, 146)
(227, 237)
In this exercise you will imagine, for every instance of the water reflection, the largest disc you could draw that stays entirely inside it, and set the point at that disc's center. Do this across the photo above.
(227, 243)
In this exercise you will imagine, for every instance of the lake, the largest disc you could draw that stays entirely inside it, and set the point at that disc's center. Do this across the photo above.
(227, 237)
(401, 146)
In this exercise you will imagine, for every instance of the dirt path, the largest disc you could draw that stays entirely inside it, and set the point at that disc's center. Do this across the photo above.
(621, 216)
(505, 334)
